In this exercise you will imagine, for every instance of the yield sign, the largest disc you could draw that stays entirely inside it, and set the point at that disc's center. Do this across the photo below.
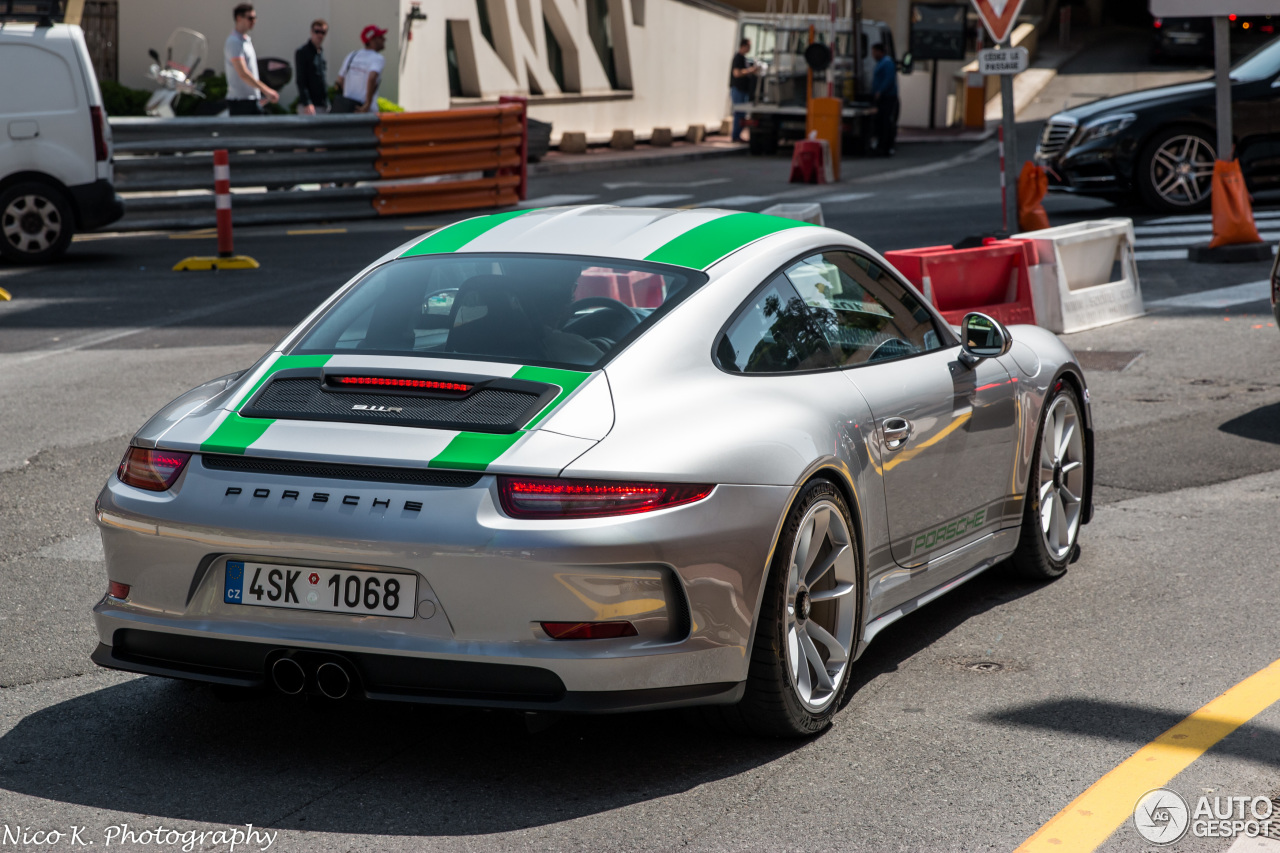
(998, 16)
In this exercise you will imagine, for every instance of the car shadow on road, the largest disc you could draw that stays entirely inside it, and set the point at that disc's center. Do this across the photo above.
(1261, 424)
(158, 747)
(1135, 724)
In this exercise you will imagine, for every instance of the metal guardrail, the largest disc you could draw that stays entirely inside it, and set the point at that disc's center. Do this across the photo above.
(475, 156)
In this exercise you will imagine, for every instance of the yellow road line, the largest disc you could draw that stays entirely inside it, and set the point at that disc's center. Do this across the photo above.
(4, 295)
(316, 231)
(202, 234)
(1108, 803)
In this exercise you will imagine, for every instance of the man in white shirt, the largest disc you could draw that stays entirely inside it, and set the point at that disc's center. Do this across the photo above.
(361, 72)
(244, 89)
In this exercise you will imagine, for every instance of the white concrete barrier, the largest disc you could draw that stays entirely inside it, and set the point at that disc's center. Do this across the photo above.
(1086, 275)
(810, 212)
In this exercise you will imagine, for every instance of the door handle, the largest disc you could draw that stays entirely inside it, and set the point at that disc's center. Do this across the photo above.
(896, 432)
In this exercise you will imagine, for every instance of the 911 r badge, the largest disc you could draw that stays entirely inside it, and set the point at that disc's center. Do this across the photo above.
(361, 407)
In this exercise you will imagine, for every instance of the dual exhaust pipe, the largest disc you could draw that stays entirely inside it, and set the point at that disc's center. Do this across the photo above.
(331, 678)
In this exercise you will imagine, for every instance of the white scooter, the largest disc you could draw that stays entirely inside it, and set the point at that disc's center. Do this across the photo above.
(176, 77)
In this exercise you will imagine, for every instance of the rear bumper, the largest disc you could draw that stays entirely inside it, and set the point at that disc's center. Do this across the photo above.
(390, 677)
(688, 578)
(96, 204)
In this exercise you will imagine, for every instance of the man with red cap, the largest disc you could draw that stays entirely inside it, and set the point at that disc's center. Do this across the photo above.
(361, 73)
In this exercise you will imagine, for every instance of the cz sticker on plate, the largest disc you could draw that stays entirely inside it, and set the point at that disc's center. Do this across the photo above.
(330, 590)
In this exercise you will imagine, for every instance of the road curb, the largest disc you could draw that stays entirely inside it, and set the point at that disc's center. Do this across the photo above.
(603, 162)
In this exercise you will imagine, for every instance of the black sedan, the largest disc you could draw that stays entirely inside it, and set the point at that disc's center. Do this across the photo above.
(1158, 144)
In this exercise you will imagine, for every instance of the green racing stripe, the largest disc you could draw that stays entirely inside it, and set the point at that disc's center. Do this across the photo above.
(703, 245)
(453, 237)
(234, 433)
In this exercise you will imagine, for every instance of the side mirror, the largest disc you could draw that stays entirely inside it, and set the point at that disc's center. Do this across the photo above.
(906, 63)
(155, 57)
(982, 337)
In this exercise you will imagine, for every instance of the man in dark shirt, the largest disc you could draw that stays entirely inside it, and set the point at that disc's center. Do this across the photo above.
(313, 92)
(884, 93)
(742, 83)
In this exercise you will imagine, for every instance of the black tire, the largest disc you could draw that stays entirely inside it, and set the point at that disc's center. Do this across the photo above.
(1034, 559)
(771, 706)
(1145, 179)
(36, 223)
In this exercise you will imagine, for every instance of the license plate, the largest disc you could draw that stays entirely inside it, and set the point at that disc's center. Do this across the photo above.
(330, 590)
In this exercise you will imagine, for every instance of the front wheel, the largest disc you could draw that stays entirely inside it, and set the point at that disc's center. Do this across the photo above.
(35, 223)
(1175, 171)
(1055, 491)
(806, 631)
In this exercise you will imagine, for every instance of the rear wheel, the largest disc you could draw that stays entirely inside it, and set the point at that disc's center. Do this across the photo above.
(1055, 491)
(35, 223)
(805, 635)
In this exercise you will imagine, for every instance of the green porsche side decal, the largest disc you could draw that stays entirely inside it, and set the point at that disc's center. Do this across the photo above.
(453, 237)
(702, 246)
(235, 433)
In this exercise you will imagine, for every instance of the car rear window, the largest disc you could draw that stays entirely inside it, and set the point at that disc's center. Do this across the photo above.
(551, 310)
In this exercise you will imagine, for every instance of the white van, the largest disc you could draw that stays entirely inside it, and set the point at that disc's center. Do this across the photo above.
(55, 143)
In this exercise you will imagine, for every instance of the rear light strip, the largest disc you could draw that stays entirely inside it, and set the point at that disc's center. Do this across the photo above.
(98, 119)
(547, 497)
(588, 630)
(388, 382)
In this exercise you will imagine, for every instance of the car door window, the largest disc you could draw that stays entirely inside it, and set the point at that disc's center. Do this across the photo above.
(775, 332)
(864, 313)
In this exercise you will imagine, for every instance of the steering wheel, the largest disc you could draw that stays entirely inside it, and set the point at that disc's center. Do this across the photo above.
(623, 319)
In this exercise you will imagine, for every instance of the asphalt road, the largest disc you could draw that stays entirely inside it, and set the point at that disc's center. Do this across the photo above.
(973, 722)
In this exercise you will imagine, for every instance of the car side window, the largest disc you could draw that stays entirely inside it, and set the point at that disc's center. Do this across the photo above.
(775, 332)
(865, 314)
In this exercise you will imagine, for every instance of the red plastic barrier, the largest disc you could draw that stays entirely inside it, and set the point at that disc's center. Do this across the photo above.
(806, 163)
(635, 288)
(994, 279)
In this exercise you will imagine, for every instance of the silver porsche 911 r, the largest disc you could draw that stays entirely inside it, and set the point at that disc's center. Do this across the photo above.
(593, 459)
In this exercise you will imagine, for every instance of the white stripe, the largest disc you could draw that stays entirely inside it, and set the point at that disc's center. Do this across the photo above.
(614, 232)
(1208, 217)
(650, 200)
(222, 173)
(841, 198)
(555, 200)
(1222, 297)
(222, 202)
(1192, 239)
(735, 201)
(352, 443)
(1199, 227)
(1161, 255)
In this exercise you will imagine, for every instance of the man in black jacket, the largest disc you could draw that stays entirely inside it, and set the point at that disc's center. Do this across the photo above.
(313, 91)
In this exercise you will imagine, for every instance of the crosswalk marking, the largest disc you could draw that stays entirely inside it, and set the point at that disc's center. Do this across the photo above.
(1222, 297)
(1169, 237)
(650, 200)
(735, 201)
(1208, 217)
(555, 200)
(841, 198)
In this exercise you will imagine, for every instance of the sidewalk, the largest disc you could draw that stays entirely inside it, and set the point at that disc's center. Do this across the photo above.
(603, 157)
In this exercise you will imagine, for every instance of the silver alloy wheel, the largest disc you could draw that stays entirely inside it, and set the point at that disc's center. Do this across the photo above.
(820, 605)
(1182, 170)
(31, 223)
(1061, 477)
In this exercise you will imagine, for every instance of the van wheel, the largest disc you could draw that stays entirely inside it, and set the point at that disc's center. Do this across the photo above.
(35, 223)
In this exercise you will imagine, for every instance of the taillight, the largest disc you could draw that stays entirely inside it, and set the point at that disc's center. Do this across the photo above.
(588, 630)
(547, 497)
(99, 134)
(153, 470)
(115, 589)
(1158, 23)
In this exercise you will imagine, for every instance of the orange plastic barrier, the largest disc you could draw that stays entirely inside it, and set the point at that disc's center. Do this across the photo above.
(994, 279)
(1232, 213)
(1033, 183)
(489, 140)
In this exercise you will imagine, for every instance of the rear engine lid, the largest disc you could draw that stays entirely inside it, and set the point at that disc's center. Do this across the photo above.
(403, 411)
